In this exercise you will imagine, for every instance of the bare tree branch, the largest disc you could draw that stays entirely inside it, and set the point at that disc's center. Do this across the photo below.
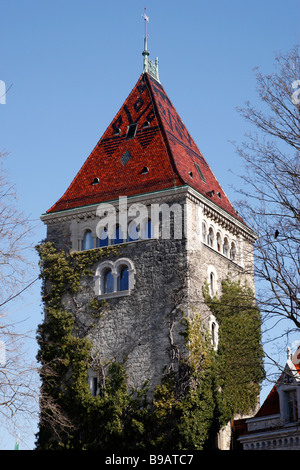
(271, 188)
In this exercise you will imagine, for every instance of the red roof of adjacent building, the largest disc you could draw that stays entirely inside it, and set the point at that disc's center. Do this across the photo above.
(158, 154)
(271, 403)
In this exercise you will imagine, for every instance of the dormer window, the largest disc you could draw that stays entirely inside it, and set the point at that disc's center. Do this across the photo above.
(200, 172)
(131, 131)
(125, 158)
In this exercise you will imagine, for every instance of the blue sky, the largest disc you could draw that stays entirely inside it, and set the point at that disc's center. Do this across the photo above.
(72, 63)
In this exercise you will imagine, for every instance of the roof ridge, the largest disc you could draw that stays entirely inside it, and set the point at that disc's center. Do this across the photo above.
(148, 126)
(189, 158)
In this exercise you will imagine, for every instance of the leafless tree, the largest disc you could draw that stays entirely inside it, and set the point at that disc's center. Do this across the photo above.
(271, 188)
(18, 377)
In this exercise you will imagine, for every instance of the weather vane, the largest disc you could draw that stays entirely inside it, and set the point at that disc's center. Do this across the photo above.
(146, 18)
(149, 66)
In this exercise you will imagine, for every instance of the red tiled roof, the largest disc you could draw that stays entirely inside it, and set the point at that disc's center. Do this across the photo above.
(296, 359)
(164, 146)
(270, 405)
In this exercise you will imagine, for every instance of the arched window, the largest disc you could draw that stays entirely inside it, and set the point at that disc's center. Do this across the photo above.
(123, 279)
(147, 230)
(114, 279)
(93, 382)
(103, 240)
(118, 236)
(210, 237)
(212, 283)
(225, 247)
(214, 331)
(87, 241)
(232, 251)
(108, 281)
(204, 232)
(133, 231)
(219, 242)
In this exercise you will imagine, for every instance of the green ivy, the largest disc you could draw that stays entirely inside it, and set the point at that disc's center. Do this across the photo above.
(193, 401)
(239, 362)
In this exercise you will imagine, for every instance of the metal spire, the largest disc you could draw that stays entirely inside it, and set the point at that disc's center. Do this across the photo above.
(149, 66)
(145, 52)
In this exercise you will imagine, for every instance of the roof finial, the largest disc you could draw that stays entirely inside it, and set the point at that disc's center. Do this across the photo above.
(149, 66)
(145, 52)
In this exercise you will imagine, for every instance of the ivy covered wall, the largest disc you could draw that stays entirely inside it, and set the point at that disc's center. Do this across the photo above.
(195, 397)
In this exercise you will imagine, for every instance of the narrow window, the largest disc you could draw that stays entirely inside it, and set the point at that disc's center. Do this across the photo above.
(292, 405)
(232, 252)
(133, 231)
(212, 283)
(147, 231)
(87, 242)
(204, 232)
(213, 334)
(210, 237)
(108, 282)
(225, 247)
(219, 242)
(123, 279)
(103, 240)
(94, 385)
(119, 236)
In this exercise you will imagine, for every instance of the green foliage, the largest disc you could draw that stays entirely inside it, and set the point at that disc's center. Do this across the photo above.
(202, 393)
(239, 361)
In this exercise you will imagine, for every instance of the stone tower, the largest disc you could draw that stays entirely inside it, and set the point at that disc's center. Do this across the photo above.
(147, 190)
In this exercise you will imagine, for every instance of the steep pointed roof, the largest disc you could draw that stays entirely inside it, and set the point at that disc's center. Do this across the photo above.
(146, 148)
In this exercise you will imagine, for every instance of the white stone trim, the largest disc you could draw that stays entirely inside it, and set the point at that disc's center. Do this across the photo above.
(212, 270)
(114, 267)
(213, 321)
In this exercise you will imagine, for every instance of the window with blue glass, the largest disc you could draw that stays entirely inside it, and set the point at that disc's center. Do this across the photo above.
(87, 241)
(147, 231)
(103, 240)
(108, 282)
(118, 236)
(133, 232)
(123, 279)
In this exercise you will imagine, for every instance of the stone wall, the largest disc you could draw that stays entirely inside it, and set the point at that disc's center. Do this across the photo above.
(144, 326)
